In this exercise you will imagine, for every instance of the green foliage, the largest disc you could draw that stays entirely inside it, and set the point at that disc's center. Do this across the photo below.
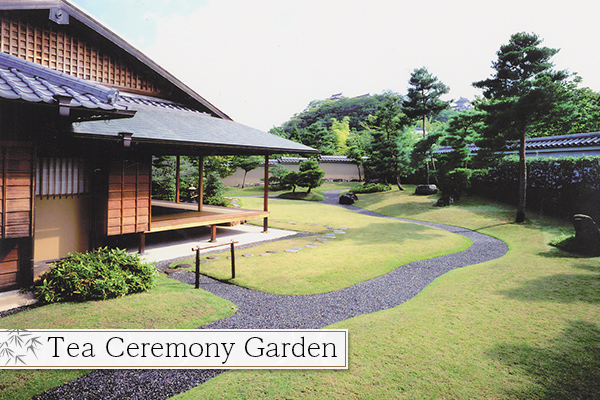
(213, 190)
(452, 174)
(99, 275)
(341, 133)
(310, 175)
(556, 186)
(163, 182)
(306, 196)
(277, 174)
(424, 95)
(389, 156)
(520, 95)
(290, 180)
(247, 164)
(371, 188)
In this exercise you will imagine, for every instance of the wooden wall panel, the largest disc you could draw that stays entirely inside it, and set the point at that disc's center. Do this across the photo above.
(128, 198)
(16, 182)
(9, 265)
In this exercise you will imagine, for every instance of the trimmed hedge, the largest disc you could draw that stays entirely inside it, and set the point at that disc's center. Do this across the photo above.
(371, 188)
(560, 187)
(98, 275)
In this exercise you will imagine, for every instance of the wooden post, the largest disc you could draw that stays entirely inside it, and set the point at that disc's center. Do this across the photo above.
(266, 195)
(197, 250)
(213, 234)
(232, 261)
(142, 243)
(177, 178)
(197, 285)
(200, 182)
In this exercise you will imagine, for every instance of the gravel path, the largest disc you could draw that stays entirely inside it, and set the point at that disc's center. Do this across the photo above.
(258, 310)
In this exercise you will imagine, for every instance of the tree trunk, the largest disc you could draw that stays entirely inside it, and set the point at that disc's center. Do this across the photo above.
(522, 180)
(244, 180)
(359, 176)
(398, 183)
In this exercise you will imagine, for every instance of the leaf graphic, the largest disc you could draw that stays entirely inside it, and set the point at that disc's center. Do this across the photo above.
(20, 358)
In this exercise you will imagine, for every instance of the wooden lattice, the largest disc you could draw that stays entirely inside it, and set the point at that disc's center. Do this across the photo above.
(54, 47)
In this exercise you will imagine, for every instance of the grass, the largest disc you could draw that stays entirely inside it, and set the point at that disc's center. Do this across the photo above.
(171, 305)
(370, 247)
(525, 326)
(258, 190)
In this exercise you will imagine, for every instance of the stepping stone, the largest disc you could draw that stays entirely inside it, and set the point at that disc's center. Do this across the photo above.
(182, 266)
(212, 257)
(272, 251)
(236, 257)
(338, 232)
(329, 236)
(313, 243)
(324, 240)
(247, 255)
(171, 271)
(264, 254)
(308, 246)
(296, 248)
(291, 251)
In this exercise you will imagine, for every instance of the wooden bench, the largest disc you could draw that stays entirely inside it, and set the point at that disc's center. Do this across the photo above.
(197, 249)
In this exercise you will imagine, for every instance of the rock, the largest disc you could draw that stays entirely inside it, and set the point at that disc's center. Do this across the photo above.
(445, 201)
(348, 199)
(426, 190)
(587, 233)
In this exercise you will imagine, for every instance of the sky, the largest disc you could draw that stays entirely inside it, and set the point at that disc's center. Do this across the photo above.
(262, 61)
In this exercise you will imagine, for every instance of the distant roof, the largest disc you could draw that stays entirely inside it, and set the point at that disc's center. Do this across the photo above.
(25, 81)
(61, 11)
(577, 141)
(162, 122)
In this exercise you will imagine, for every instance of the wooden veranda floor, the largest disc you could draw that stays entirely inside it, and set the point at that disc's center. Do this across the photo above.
(167, 215)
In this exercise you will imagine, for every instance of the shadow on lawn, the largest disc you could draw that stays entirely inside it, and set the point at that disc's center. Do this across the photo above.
(570, 369)
(562, 288)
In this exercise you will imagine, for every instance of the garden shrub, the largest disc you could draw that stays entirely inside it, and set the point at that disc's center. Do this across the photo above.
(555, 186)
(98, 275)
(371, 188)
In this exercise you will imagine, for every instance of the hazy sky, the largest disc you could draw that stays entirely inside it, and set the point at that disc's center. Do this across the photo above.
(261, 61)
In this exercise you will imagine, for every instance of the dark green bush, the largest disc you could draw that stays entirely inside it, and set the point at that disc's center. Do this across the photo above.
(102, 274)
(555, 186)
(371, 188)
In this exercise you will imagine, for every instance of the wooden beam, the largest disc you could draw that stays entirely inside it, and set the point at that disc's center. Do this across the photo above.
(177, 178)
(266, 195)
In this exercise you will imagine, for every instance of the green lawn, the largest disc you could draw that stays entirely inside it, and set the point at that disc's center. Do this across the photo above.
(525, 326)
(170, 305)
(258, 190)
(370, 247)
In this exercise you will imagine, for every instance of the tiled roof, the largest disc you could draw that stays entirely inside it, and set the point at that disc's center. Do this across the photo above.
(559, 142)
(577, 140)
(26, 81)
(163, 122)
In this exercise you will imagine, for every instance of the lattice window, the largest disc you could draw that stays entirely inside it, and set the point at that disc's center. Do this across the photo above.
(58, 177)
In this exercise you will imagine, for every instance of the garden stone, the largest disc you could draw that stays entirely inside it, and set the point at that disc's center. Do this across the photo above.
(291, 251)
(348, 199)
(182, 266)
(445, 201)
(587, 233)
(426, 190)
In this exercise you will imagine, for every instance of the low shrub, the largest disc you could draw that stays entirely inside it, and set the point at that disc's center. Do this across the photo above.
(302, 196)
(371, 188)
(98, 275)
